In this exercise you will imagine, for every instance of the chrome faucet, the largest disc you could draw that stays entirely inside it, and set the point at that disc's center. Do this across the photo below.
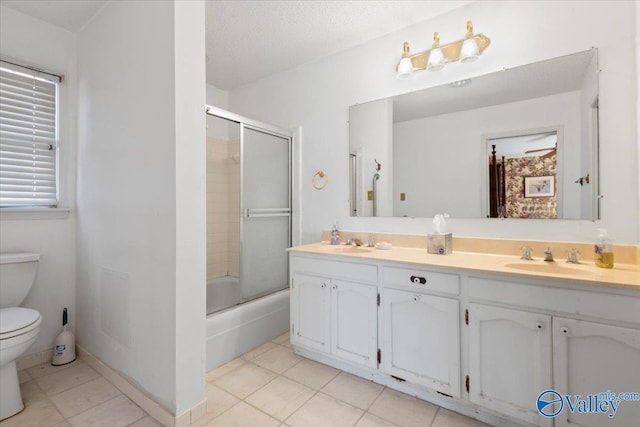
(526, 253)
(548, 255)
(371, 241)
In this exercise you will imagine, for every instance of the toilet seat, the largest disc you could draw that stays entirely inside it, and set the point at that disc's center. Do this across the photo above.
(16, 321)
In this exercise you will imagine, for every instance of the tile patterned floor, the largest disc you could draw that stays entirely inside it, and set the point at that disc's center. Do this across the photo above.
(272, 386)
(73, 395)
(268, 386)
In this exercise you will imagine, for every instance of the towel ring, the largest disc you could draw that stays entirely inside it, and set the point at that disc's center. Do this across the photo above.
(319, 180)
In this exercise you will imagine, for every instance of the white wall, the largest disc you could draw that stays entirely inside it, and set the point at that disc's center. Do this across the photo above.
(317, 96)
(141, 196)
(29, 41)
(435, 156)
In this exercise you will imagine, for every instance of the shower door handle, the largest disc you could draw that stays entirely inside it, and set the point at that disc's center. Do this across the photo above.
(266, 212)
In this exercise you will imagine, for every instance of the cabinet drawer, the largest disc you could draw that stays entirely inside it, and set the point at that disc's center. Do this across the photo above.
(571, 301)
(342, 270)
(418, 280)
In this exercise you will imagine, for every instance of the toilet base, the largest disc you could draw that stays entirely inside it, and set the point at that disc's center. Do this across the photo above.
(10, 397)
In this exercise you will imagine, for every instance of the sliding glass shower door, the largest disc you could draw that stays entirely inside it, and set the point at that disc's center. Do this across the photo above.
(248, 209)
(266, 211)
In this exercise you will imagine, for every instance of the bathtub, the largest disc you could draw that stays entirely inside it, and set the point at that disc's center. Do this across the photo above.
(236, 330)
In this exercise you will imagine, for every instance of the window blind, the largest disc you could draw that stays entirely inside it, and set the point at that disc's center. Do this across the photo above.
(28, 137)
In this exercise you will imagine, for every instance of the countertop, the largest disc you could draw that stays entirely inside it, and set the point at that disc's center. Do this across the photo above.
(621, 275)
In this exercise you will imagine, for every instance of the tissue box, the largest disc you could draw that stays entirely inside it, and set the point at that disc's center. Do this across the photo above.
(439, 243)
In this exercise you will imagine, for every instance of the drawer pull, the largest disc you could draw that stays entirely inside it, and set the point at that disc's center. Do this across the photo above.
(564, 330)
(540, 325)
(323, 285)
(416, 298)
(418, 280)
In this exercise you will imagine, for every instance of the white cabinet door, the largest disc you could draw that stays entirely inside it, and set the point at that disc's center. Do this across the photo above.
(509, 360)
(590, 358)
(422, 340)
(354, 320)
(310, 307)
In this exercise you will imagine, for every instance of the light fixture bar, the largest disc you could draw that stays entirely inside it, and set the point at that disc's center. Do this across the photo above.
(451, 52)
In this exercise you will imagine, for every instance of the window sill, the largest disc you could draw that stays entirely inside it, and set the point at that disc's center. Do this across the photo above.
(8, 214)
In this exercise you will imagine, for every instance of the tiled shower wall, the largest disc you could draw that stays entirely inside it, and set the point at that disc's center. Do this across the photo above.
(223, 213)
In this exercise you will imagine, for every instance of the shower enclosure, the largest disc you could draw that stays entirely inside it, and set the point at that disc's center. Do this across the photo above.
(248, 209)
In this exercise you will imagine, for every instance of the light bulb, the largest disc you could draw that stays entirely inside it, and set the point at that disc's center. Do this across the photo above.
(405, 68)
(436, 58)
(470, 50)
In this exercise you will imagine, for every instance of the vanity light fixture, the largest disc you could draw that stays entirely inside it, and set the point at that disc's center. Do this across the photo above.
(463, 50)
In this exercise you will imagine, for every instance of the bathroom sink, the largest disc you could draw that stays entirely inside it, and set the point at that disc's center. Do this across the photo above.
(345, 249)
(547, 267)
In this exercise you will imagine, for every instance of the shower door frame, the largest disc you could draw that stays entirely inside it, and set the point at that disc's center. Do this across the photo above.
(255, 125)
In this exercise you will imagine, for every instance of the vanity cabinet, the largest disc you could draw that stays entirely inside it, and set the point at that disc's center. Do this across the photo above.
(311, 312)
(553, 336)
(486, 344)
(335, 317)
(509, 360)
(354, 322)
(421, 341)
(589, 358)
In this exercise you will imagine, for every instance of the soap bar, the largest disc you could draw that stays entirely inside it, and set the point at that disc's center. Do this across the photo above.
(385, 246)
(439, 243)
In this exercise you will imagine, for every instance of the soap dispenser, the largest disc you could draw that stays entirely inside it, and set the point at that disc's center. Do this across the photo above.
(603, 250)
(335, 234)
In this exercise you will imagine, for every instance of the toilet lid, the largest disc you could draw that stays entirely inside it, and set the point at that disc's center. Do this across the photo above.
(14, 321)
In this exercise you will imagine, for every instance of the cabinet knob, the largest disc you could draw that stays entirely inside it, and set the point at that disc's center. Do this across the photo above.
(323, 285)
(540, 325)
(418, 280)
(564, 330)
(335, 286)
(416, 298)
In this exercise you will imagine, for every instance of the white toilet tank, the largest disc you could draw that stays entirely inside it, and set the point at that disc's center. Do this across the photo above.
(17, 274)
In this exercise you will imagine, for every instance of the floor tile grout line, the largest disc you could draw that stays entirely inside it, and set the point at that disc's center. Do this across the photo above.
(144, 414)
(67, 389)
(435, 415)
(366, 411)
(101, 403)
(315, 393)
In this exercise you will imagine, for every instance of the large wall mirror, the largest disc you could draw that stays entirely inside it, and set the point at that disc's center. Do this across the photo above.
(517, 143)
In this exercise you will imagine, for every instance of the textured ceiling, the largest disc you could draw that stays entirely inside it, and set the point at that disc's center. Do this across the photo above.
(68, 14)
(249, 40)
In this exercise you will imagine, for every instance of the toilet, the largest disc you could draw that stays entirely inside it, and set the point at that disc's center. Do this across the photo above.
(18, 326)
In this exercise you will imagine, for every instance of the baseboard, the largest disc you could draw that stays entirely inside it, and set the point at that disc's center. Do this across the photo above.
(150, 406)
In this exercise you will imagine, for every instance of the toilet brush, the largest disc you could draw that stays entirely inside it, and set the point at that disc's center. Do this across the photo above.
(64, 349)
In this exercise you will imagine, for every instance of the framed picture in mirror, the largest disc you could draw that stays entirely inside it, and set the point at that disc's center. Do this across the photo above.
(539, 186)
